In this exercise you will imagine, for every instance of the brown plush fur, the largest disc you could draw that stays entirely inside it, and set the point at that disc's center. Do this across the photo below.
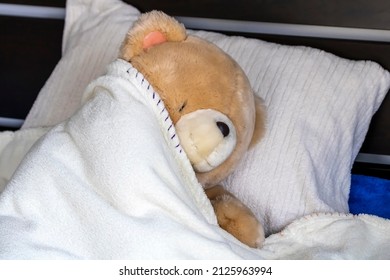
(235, 217)
(191, 74)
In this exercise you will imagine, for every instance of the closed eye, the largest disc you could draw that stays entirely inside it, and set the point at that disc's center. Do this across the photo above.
(183, 106)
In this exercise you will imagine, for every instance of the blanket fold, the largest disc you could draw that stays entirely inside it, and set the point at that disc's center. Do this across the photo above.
(111, 182)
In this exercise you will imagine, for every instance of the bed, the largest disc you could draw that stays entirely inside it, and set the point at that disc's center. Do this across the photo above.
(318, 182)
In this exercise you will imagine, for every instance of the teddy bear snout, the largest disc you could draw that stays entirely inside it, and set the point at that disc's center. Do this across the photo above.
(208, 137)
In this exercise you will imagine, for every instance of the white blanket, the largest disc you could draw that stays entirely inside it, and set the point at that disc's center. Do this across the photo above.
(112, 182)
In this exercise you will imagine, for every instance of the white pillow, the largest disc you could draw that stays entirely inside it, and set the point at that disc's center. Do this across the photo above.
(319, 109)
(94, 30)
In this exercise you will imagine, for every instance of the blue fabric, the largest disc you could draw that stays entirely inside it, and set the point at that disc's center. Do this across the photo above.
(370, 195)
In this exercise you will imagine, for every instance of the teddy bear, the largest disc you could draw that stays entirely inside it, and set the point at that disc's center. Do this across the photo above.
(210, 101)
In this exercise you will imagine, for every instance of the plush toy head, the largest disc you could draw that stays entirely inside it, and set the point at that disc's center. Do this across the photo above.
(206, 93)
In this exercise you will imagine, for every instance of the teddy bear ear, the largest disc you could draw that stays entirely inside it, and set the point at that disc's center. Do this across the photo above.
(149, 30)
(261, 116)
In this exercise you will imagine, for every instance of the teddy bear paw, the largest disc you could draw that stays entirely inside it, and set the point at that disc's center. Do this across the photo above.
(238, 220)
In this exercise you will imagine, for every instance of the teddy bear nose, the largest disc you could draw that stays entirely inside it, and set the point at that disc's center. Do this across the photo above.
(223, 127)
